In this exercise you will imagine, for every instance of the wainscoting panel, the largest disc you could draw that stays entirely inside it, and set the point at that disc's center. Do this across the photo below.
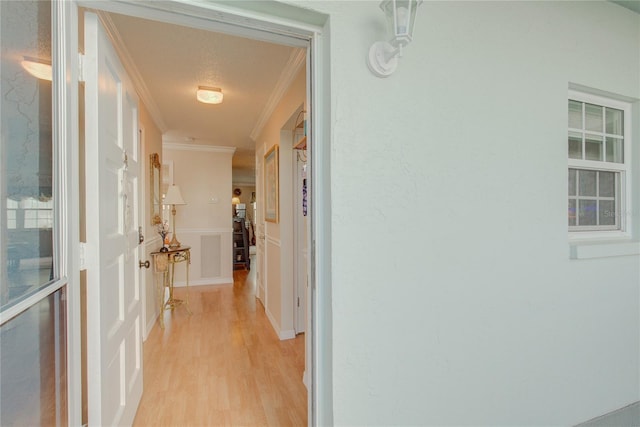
(274, 305)
(210, 255)
(149, 294)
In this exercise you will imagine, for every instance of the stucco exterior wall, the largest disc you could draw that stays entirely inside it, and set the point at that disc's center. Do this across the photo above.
(454, 298)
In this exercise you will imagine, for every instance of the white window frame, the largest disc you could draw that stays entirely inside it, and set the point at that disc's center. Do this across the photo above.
(623, 205)
(12, 214)
(37, 214)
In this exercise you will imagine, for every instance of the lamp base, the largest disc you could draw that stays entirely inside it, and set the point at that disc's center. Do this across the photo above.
(174, 242)
(383, 59)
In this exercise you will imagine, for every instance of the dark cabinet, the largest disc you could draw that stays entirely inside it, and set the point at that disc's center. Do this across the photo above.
(240, 244)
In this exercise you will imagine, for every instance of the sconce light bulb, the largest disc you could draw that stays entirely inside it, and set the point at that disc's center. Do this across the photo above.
(401, 20)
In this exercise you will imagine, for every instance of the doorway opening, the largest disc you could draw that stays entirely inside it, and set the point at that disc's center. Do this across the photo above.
(255, 25)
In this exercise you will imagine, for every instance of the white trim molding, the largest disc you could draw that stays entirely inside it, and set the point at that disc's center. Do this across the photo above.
(603, 249)
(179, 146)
(282, 335)
(289, 73)
(204, 230)
(237, 182)
(132, 70)
(217, 281)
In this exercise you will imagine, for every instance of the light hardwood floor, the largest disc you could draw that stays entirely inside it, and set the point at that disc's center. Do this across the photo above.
(223, 365)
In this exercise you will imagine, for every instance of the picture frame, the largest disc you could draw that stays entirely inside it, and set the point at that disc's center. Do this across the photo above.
(167, 180)
(154, 188)
(271, 185)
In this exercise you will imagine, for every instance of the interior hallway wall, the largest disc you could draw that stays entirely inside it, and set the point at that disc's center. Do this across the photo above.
(203, 173)
(279, 236)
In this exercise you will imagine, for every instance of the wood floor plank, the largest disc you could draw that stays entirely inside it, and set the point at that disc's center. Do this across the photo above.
(223, 365)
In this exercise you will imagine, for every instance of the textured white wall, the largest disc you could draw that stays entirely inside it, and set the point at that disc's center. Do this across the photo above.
(468, 310)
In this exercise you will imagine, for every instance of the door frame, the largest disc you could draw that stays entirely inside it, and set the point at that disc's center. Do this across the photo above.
(246, 19)
(299, 248)
(261, 241)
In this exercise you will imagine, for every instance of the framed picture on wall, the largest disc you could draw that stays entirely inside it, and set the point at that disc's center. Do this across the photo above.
(271, 185)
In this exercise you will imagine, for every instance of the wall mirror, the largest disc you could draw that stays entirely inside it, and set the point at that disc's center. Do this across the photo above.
(156, 195)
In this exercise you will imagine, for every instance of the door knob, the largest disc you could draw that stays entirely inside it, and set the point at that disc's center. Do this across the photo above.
(145, 264)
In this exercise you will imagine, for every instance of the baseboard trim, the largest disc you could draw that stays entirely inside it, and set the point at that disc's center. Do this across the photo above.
(282, 335)
(305, 379)
(150, 324)
(272, 320)
(205, 282)
(287, 335)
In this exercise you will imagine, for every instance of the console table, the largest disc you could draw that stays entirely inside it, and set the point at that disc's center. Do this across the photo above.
(164, 263)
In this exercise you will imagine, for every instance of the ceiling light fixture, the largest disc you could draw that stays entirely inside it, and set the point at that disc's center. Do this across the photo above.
(383, 56)
(209, 95)
(37, 67)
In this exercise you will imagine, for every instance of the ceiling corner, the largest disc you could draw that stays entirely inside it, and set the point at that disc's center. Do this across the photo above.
(289, 73)
(132, 70)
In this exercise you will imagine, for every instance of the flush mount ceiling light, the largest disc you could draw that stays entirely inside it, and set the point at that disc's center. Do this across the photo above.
(383, 56)
(209, 95)
(37, 67)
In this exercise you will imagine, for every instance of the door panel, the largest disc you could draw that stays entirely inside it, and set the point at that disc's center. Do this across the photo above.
(114, 364)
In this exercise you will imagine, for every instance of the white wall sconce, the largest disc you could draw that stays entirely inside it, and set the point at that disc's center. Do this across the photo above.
(383, 56)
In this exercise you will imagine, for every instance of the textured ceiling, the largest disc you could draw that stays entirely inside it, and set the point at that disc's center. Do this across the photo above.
(173, 61)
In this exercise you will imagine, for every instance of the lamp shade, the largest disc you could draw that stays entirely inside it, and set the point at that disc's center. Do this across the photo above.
(235, 200)
(173, 196)
(401, 15)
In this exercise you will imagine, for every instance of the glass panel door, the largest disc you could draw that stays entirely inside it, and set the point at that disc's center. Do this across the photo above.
(27, 150)
(33, 384)
(33, 332)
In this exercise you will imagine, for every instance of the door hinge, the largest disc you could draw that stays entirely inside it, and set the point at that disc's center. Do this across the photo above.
(82, 247)
(81, 67)
(298, 301)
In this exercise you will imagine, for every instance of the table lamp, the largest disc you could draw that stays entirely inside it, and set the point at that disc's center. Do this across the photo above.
(174, 198)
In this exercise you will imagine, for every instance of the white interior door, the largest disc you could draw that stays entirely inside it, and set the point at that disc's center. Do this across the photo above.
(260, 228)
(114, 339)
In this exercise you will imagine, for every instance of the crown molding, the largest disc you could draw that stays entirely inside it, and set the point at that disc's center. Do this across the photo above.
(197, 147)
(289, 73)
(132, 70)
(242, 183)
